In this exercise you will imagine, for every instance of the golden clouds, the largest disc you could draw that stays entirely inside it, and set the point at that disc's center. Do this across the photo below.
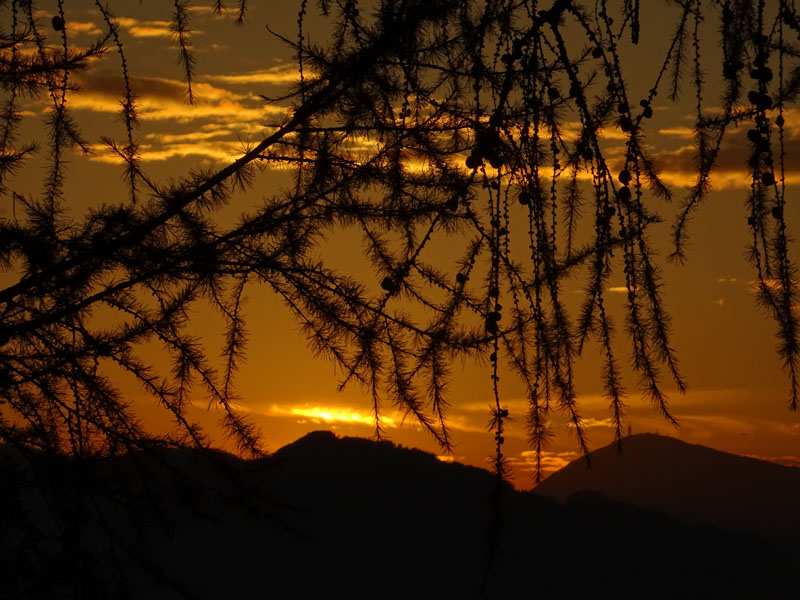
(219, 118)
(190, 137)
(145, 29)
(279, 75)
(160, 99)
(219, 150)
(525, 462)
(211, 11)
(76, 28)
(774, 285)
(332, 414)
(213, 140)
(681, 132)
(679, 166)
(326, 412)
(592, 422)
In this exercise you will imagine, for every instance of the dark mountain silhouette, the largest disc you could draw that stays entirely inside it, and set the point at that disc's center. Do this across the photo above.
(348, 517)
(693, 483)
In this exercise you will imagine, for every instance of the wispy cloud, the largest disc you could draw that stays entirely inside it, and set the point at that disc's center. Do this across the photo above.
(191, 136)
(146, 29)
(681, 132)
(224, 12)
(679, 166)
(718, 424)
(76, 28)
(772, 284)
(105, 88)
(277, 75)
(218, 150)
(592, 422)
(162, 99)
(350, 415)
(332, 414)
(551, 461)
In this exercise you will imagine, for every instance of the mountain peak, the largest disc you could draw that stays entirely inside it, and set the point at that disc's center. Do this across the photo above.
(693, 483)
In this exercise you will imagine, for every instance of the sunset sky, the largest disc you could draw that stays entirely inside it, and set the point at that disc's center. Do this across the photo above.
(738, 395)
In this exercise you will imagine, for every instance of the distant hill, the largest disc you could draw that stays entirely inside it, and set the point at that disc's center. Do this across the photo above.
(353, 518)
(693, 483)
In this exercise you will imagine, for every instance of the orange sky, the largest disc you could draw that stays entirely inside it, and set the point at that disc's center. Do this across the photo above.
(738, 394)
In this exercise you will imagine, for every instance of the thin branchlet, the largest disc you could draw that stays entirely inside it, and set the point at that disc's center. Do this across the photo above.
(181, 31)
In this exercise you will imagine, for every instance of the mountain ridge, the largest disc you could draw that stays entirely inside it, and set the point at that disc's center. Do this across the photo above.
(691, 482)
(352, 517)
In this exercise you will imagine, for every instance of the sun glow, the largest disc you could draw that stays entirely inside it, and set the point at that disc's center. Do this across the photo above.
(335, 415)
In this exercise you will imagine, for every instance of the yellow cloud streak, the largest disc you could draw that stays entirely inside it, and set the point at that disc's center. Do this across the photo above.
(551, 461)
(159, 110)
(220, 150)
(322, 413)
(331, 414)
(682, 132)
(163, 99)
(276, 76)
(178, 112)
(225, 11)
(75, 28)
(772, 284)
(145, 29)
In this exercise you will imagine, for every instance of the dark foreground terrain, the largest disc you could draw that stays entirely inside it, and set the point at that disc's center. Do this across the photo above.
(336, 517)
